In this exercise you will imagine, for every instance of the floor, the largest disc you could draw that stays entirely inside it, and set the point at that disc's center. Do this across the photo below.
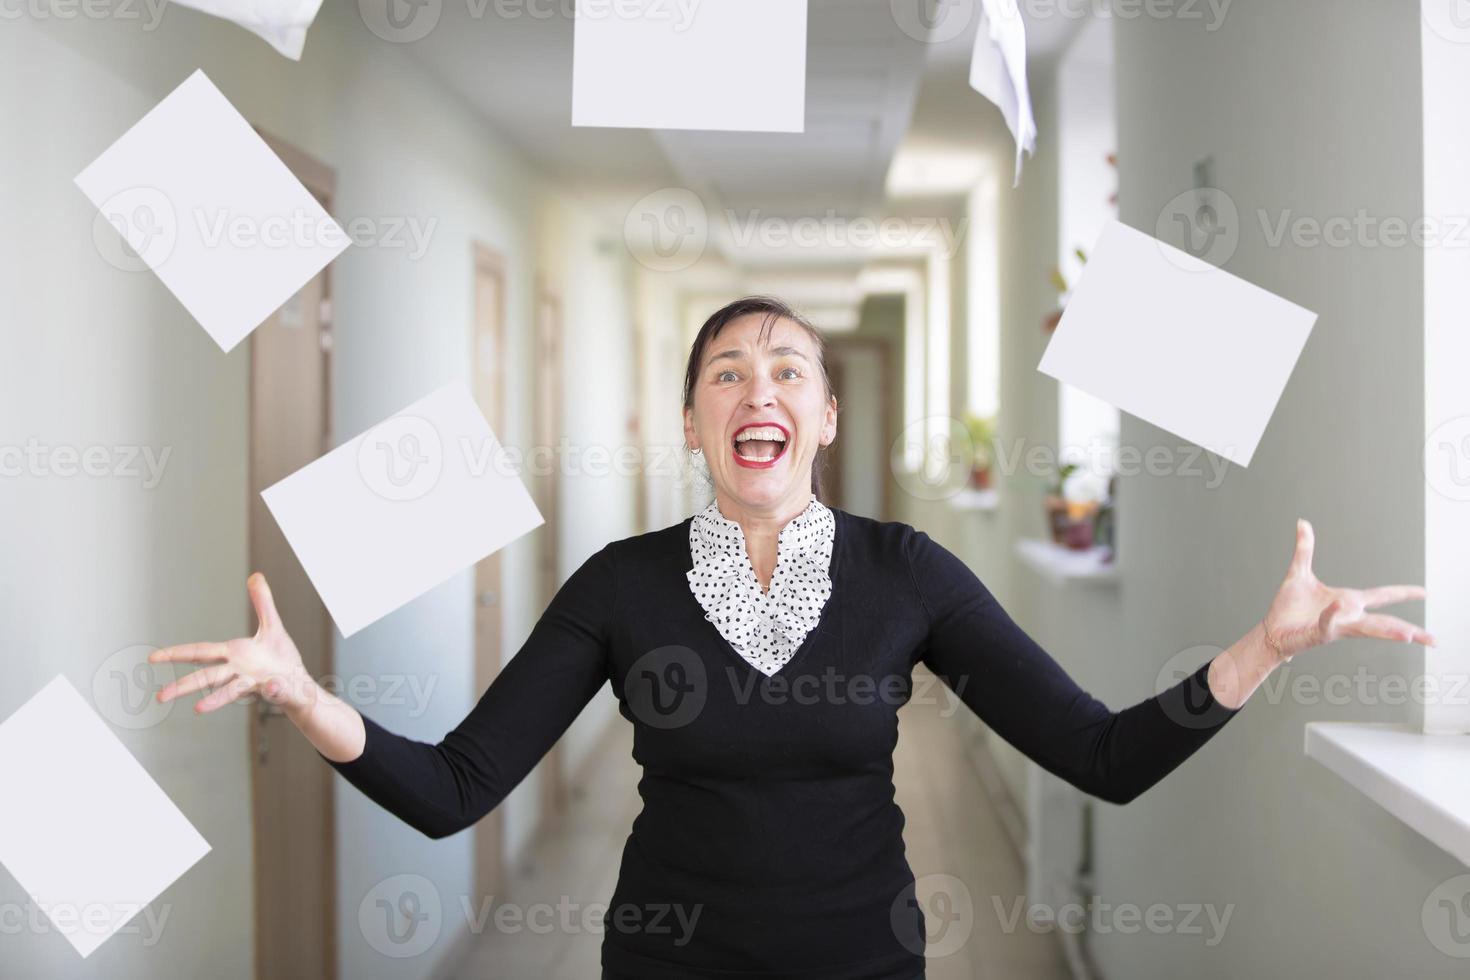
(969, 877)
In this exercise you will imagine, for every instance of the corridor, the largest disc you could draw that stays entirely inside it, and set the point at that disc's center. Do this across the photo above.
(341, 338)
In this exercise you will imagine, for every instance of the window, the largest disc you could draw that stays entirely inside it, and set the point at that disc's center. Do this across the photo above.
(1087, 192)
(982, 273)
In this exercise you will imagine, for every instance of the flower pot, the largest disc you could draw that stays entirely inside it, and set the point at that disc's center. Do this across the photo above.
(1078, 535)
(1056, 517)
(980, 479)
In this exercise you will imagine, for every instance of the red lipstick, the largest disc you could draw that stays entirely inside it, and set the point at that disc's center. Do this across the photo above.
(764, 464)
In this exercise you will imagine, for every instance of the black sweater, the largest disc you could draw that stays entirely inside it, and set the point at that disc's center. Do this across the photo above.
(768, 818)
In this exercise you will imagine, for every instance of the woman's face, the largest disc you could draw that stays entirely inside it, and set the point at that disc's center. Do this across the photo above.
(760, 413)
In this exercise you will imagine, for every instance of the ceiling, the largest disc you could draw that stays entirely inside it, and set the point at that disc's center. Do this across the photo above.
(862, 76)
(869, 62)
(863, 73)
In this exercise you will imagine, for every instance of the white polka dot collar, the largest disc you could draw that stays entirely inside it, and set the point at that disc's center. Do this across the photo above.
(765, 628)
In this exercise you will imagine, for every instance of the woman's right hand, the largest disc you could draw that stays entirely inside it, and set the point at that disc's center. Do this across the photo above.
(267, 664)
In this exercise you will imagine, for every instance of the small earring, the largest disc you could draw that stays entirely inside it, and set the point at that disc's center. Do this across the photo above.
(696, 450)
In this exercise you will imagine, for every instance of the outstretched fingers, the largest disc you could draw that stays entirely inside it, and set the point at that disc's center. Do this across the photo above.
(1385, 595)
(1306, 543)
(197, 681)
(190, 653)
(1385, 627)
(265, 605)
(232, 691)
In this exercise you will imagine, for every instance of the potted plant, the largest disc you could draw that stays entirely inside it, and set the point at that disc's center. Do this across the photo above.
(1105, 524)
(1059, 281)
(1084, 492)
(1063, 288)
(982, 438)
(1056, 503)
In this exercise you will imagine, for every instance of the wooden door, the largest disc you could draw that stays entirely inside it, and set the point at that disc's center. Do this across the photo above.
(548, 498)
(856, 477)
(292, 815)
(487, 360)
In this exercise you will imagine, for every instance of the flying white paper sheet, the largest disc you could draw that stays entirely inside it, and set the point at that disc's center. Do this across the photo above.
(690, 64)
(1177, 342)
(390, 514)
(998, 71)
(212, 211)
(84, 829)
(282, 23)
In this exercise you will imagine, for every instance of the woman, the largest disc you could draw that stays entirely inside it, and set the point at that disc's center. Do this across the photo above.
(769, 825)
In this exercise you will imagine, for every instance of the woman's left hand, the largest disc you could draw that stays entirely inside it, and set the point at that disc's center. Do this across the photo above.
(1306, 613)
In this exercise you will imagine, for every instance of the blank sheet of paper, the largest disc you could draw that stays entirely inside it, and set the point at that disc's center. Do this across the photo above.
(282, 23)
(385, 517)
(1177, 342)
(707, 64)
(217, 216)
(84, 829)
(998, 72)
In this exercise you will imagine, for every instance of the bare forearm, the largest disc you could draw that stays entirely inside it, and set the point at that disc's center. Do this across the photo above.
(333, 726)
(1237, 672)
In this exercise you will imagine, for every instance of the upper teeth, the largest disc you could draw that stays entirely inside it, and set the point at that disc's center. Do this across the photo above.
(768, 433)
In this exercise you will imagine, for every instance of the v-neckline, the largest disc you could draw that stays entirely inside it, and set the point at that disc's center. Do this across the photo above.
(838, 537)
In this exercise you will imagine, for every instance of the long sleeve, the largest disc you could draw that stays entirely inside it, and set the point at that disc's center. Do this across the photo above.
(442, 789)
(1026, 697)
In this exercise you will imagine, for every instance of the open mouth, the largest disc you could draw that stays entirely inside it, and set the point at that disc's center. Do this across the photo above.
(760, 444)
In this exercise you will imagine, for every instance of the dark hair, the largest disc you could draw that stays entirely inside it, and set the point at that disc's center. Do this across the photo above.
(773, 309)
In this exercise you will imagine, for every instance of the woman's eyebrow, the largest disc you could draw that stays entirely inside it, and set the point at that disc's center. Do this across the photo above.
(739, 355)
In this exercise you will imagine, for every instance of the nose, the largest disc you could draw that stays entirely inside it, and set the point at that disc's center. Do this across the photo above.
(761, 393)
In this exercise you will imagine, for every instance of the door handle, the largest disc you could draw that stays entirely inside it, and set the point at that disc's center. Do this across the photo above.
(264, 711)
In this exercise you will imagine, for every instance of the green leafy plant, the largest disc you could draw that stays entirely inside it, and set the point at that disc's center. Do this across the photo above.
(982, 437)
(1063, 471)
(1060, 284)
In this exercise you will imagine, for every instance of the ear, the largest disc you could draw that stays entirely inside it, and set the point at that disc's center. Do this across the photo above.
(829, 422)
(691, 441)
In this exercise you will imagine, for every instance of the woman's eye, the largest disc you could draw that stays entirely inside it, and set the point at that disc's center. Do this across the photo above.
(789, 374)
(725, 376)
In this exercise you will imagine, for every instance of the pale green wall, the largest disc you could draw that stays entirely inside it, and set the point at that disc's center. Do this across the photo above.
(1311, 106)
(98, 356)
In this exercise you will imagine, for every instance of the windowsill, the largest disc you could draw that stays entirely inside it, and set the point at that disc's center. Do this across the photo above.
(1060, 565)
(968, 499)
(1416, 777)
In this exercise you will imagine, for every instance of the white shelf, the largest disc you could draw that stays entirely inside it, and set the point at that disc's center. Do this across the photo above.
(1061, 565)
(968, 499)
(1421, 779)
